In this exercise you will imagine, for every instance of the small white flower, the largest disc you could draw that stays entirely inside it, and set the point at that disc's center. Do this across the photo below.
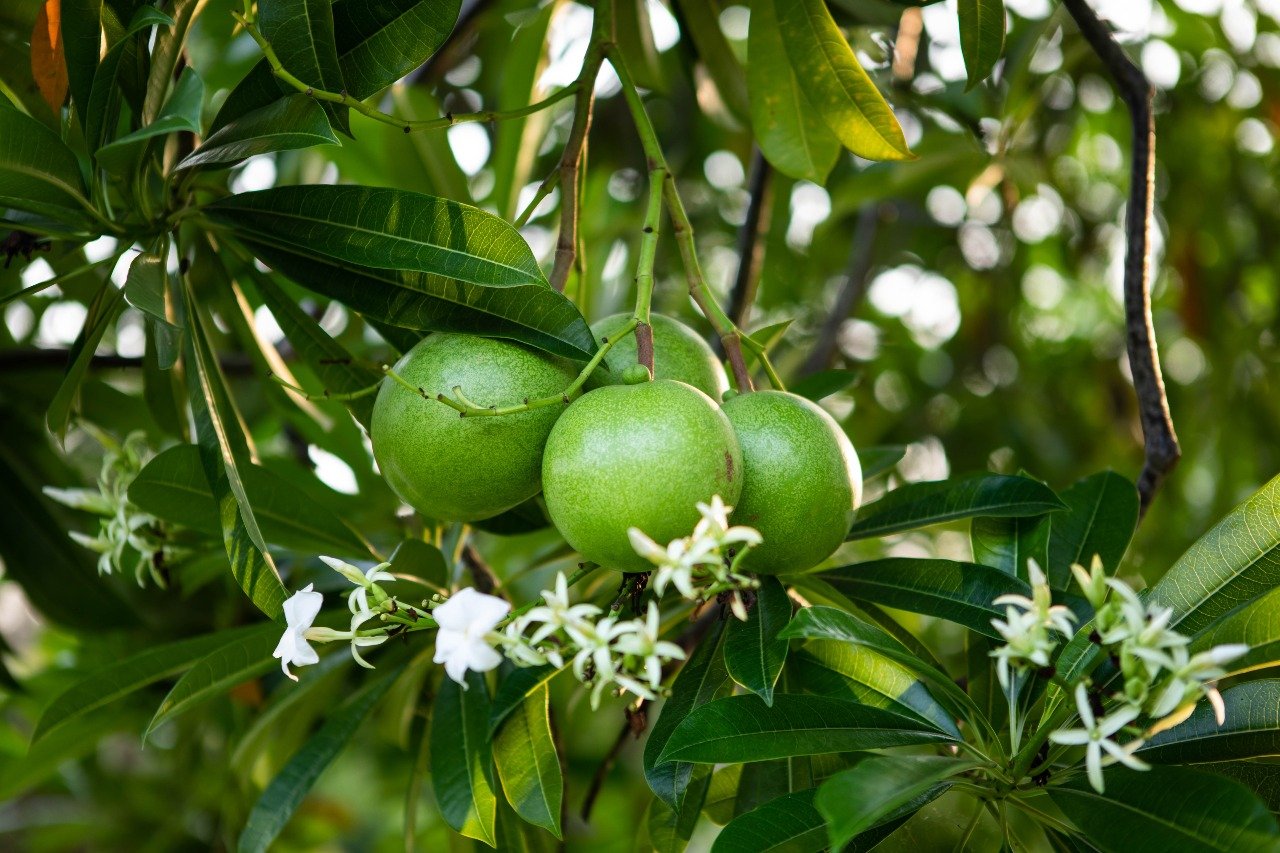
(358, 642)
(299, 612)
(1096, 737)
(1027, 625)
(1191, 677)
(1093, 583)
(557, 613)
(642, 642)
(358, 601)
(1054, 616)
(714, 526)
(462, 642)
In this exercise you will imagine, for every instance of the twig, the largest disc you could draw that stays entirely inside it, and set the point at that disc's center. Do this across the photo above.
(1161, 450)
(851, 294)
(481, 575)
(751, 238)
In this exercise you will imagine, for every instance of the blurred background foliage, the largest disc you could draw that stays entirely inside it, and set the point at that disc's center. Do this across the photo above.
(984, 326)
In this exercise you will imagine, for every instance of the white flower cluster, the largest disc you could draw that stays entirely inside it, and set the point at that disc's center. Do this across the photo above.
(704, 564)
(127, 537)
(1162, 681)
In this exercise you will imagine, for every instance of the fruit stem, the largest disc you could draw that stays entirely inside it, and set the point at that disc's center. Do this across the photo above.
(325, 394)
(662, 182)
(467, 408)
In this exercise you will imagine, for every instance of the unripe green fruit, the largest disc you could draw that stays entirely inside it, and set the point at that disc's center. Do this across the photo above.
(637, 456)
(801, 480)
(678, 353)
(453, 468)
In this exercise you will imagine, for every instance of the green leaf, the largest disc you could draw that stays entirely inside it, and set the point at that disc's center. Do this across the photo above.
(232, 663)
(223, 448)
(302, 34)
(1007, 543)
(1251, 729)
(461, 763)
(743, 728)
(1261, 777)
(173, 486)
(285, 793)
(701, 18)
(377, 42)
(1167, 808)
(981, 37)
(1257, 625)
(789, 823)
(104, 97)
(830, 623)
(145, 289)
(848, 671)
(38, 172)
(1232, 565)
(879, 460)
(917, 505)
(824, 383)
(951, 590)
(385, 229)
(180, 113)
(524, 753)
(1102, 513)
(837, 86)
(514, 690)
(700, 680)
(82, 46)
(19, 773)
(166, 52)
(855, 800)
(533, 314)
(633, 29)
(105, 685)
(102, 315)
(288, 124)
(790, 133)
(753, 652)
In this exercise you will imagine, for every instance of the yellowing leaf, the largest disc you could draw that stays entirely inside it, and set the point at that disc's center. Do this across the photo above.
(48, 65)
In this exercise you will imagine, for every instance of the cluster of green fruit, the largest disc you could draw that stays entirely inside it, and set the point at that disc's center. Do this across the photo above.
(625, 454)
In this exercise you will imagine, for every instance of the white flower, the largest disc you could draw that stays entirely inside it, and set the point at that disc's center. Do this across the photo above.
(557, 613)
(642, 642)
(1093, 583)
(462, 642)
(299, 612)
(1051, 615)
(714, 526)
(357, 642)
(1027, 625)
(1190, 677)
(1096, 738)
(358, 601)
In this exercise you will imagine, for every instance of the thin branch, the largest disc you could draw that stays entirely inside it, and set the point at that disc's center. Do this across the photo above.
(1161, 442)
(851, 294)
(482, 577)
(751, 239)
(30, 359)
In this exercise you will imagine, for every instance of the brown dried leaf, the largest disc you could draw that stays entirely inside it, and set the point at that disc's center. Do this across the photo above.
(48, 65)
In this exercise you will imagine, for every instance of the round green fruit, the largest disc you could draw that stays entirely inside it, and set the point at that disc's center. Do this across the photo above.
(453, 468)
(801, 480)
(641, 456)
(678, 353)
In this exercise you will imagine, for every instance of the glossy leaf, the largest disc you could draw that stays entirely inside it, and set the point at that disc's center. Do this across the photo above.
(743, 728)
(180, 113)
(82, 45)
(1257, 625)
(288, 124)
(959, 592)
(981, 37)
(837, 86)
(917, 505)
(824, 383)
(1167, 808)
(1232, 565)
(105, 685)
(516, 688)
(789, 823)
(1251, 729)
(38, 172)
(855, 800)
(102, 315)
(461, 761)
(285, 793)
(232, 663)
(301, 32)
(790, 133)
(880, 460)
(378, 43)
(753, 652)
(173, 486)
(1008, 543)
(524, 753)
(700, 680)
(166, 52)
(104, 97)
(1101, 515)
(1261, 777)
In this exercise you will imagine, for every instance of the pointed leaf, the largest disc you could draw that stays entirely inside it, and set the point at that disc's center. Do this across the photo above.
(461, 762)
(824, 383)
(516, 688)
(879, 460)
(48, 66)
(1251, 729)
(837, 86)
(743, 728)
(102, 315)
(288, 124)
(1008, 543)
(181, 113)
(789, 823)
(524, 753)
(285, 793)
(917, 505)
(1101, 515)
(301, 32)
(981, 37)
(38, 172)
(753, 652)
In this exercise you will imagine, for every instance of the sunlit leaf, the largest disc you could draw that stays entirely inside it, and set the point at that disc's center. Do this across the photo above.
(461, 761)
(753, 652)
(524, 753)
(917, 505)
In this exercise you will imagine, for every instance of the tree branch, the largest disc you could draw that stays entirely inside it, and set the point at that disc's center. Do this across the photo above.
(851, 294)
(29, 359)
(750, 239)
(1160, 441)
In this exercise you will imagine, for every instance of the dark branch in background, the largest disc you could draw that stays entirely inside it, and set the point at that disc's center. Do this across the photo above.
(851, 294)
(457, 46)
(751, 239)
(57, 359)
(482, 577)
(1161, 443)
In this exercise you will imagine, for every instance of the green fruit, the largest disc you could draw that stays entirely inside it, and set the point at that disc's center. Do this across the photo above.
(452, 468)
(801, 480)
(678, 353)
(635, 374)
(637, 456)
